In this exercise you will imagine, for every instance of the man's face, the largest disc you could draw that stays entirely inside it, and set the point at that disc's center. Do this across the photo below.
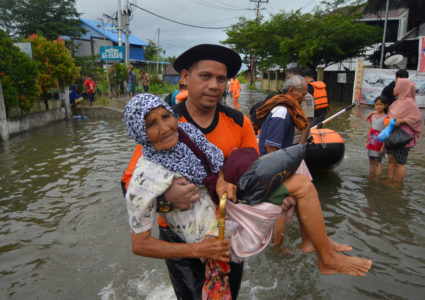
(298, 94)
(206, 81)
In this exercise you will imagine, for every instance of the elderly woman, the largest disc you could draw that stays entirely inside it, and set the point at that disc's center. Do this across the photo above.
(172, 150)
(167, 154)
(409, 118)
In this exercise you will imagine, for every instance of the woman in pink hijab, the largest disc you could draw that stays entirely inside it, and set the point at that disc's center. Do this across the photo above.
(409, 118)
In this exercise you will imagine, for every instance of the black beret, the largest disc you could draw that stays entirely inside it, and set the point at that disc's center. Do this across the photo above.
(230, 58)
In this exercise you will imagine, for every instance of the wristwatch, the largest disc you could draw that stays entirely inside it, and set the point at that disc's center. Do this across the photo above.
(163, 205)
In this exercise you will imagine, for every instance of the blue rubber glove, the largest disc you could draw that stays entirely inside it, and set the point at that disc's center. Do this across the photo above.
(386, 132)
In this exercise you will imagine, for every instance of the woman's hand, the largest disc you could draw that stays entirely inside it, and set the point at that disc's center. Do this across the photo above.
(223, 186)
(399, 122)
(213, 248)
(145, 245)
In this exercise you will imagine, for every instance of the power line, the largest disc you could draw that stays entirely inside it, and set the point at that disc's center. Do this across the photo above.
(211, 5)
(177, 22)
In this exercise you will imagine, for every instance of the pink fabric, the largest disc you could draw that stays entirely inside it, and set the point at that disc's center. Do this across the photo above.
(405, 106)
(254, 227)
(250, 226)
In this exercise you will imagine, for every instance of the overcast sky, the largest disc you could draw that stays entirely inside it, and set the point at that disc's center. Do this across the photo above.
(175, 38)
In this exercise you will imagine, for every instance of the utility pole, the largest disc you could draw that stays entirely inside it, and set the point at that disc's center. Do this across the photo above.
(157, 56)
(127, 32)
(251, 82)
(381, 65)
(119, 23)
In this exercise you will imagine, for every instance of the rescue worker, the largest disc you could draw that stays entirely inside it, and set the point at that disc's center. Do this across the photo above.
(318, 90)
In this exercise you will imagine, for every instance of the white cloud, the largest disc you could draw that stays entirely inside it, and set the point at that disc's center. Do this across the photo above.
(175, 38)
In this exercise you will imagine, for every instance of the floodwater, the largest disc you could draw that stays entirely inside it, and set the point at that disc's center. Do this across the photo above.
(64, 232)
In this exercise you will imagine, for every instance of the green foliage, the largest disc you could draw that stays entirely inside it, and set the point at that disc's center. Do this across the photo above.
(160, 88)
(325, 37)
(49, 18)
(243, 38)
(18, 76)
(152, 51)
(252, 87)
(88, 65)
(121, 72)
(241, 79)
(55, 63)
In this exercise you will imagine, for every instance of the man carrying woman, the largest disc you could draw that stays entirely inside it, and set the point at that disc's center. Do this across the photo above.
(205, 69)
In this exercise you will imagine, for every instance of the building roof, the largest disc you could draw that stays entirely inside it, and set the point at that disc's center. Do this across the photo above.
(169, 70)
(377, 5)
(108, 33)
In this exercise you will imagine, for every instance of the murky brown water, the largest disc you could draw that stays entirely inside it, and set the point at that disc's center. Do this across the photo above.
(64, 232)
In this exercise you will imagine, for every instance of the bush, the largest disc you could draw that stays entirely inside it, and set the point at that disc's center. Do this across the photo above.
(18, 75)
(55, 63)
(159, 88)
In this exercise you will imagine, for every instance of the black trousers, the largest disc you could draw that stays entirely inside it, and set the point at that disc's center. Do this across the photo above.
(319, 116)
(188, 274)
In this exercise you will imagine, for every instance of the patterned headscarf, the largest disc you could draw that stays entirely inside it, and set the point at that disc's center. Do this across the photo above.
(179, 159)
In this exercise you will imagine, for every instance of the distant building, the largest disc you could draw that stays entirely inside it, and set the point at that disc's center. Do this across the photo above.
(97, 36)
(171, 75)
(405, 26)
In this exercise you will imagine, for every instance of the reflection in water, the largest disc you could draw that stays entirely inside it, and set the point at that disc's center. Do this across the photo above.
(64, 232)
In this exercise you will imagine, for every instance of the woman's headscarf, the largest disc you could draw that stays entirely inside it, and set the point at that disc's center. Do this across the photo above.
(405, 106)
(179, 159)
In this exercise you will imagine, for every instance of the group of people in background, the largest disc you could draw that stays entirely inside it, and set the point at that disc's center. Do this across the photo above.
(144, 81)
(397, 101)
(89, 86)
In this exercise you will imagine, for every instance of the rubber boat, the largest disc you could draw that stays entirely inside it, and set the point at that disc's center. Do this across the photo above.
(326, 150)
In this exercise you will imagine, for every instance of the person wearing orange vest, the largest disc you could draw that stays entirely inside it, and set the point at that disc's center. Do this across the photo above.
(235, 88)
(318, 90)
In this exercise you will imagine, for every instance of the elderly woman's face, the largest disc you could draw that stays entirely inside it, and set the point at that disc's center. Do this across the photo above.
(161, 128)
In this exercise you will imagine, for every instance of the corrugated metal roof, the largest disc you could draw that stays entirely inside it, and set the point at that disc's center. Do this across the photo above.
(109, 34)
(376, 5)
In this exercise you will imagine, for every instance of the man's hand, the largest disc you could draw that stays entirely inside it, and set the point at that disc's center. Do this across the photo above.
(182, 193)
(226, 187)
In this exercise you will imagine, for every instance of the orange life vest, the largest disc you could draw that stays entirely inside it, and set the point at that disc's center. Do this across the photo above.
(320, 95)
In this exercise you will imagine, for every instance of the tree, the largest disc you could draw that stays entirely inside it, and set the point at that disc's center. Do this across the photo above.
(325, 36)
(7, 11)
(55, 63)
(49, 18)
(18, 75)
(152, 51)
(243, 38)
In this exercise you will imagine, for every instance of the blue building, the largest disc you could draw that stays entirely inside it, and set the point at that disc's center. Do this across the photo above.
(96, 36)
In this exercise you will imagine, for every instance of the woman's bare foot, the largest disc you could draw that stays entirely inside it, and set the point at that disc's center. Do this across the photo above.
(308, 246)
(343, 264)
